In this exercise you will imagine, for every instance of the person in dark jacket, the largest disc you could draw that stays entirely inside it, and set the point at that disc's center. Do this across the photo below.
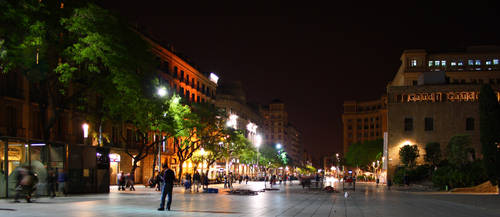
(167, 178)
(205, 180)
(197, 180)
(51, 182)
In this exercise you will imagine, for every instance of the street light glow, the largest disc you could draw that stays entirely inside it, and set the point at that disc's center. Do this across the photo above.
(258, 141)
(85, 128)
(162, 91)
(278, 146)
(202, 151)
(232, 122)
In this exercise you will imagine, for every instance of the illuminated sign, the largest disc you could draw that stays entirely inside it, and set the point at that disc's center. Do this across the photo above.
(463, 96)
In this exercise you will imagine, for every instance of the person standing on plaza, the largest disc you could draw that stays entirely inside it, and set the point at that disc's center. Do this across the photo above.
(226, 181)
(61, 181)
(167, 178)
(51, 182)
(205, 180)
(197, 181)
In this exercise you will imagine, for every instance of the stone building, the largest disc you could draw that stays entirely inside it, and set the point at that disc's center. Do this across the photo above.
(280, 131)
(244, 116)
(363, 121)
(434, 96)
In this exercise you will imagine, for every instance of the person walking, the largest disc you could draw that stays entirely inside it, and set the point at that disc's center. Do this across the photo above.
(197, 181)
(121, 181)
(130, 181)
(167, 178)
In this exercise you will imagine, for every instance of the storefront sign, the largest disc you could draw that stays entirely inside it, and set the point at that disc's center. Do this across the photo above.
(114, 158)
(14, 153)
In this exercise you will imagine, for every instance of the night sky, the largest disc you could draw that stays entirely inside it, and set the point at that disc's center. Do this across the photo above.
(312, 56)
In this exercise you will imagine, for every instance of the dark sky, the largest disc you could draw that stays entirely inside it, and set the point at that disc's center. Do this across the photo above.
(312, 56)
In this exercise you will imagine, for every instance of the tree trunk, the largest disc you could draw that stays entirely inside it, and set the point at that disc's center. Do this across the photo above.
(154, 165)
(132, 171)
(180, 171)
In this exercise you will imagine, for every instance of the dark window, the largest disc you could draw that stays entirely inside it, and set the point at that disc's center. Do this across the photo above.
(188, 93)
(182, 75)
(175, 71)
(192, 97)
(359, 127)
(414, 83)
(408, 124)
(349, 127)
(187, 79)
(469, 124)
(198, 99)
(429, 124)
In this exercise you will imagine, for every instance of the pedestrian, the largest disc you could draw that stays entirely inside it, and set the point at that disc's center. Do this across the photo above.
(285, 178)
(118, 178)
(51, 182)
(226, 182)
(61, 182)
(197, 181)
(377, 180)
(167, 179)
(240, 179)
(130, 181)
(158, 181)
(121, 181)
(246, 179)
(280, 179)
(205, 180)
(187, 182)
(389, 184)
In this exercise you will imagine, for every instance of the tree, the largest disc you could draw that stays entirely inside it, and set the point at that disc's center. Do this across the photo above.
(78, 56)
(363, 154)
(489, 120)
(459, 148)
(408, 155)
(432, 153)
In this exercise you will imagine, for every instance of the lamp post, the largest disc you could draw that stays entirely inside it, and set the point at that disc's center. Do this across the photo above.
(202, 152)
(162, 92)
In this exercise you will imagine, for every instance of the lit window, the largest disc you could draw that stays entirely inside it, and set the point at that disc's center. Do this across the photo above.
(488, 62)
(430, 62)
(460, 63)
(478, 62)
(471, 62)
(413, 63)
(495, 62)
(443, 62)
(436, 62)
(453, 63)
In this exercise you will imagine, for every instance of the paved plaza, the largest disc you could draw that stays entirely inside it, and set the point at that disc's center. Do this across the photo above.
(290, 200)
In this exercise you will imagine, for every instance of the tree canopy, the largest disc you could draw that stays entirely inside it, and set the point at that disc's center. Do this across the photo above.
(489, 115)
(363, 154)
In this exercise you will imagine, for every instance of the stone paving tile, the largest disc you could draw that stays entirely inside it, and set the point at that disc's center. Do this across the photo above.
(291, 200)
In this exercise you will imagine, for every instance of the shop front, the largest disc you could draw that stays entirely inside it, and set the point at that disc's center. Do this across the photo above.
(78, 162)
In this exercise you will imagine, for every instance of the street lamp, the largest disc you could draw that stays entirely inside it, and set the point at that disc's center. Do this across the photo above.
(85, 128)
(162, 91)
(278, 146)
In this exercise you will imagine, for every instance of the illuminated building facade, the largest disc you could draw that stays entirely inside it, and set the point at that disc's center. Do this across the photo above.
(242, 115)
(434, 96)
(363, 121)
(280, 131)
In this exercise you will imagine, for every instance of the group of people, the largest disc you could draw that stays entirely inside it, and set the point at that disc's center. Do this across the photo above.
(125, 181)
(197, 180)
(27, 181)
